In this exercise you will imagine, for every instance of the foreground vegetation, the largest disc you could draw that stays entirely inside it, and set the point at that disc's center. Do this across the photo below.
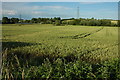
(69, 52)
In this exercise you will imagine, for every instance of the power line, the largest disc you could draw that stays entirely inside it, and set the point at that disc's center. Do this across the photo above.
(20, 16)
(20, 19)
(78, 12)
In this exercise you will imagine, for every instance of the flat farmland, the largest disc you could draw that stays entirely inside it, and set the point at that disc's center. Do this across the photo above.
(71, 52)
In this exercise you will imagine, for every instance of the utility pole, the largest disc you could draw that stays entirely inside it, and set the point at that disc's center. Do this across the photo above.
(78, 12)
(20, 19)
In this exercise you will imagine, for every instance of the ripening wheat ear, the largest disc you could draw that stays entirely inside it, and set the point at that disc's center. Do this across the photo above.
(7, 74)
(4, 54)
(17, 60)
(23, 74)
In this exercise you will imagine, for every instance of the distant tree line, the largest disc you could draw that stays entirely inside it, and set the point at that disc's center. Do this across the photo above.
(90, 22)
(6, 20)
(58, 21)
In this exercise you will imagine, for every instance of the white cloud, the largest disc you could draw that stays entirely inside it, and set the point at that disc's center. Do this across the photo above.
(9, 12)
(57, 7)
(21, 8)
(50, 7)
(30, 11)
(38, 12)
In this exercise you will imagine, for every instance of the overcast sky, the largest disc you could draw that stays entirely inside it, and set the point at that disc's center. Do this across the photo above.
(28, 10)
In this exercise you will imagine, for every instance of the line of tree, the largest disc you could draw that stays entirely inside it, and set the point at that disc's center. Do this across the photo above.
(58, 21)
(6, 20)
(90, 22)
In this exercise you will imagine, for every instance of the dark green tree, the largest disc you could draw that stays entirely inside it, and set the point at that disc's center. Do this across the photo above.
(5, 20)
(34, 20)
(14, 20)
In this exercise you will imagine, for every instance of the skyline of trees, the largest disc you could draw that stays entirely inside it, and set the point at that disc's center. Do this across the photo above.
(58, 21)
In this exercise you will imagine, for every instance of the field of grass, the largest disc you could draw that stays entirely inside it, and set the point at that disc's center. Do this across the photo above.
(114, 22)
(71, 52)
